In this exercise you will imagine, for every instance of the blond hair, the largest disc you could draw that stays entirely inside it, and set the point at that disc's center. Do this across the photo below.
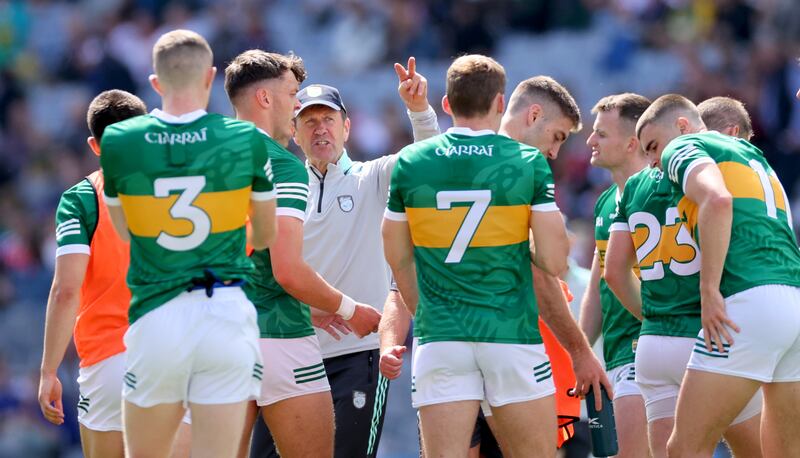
(181, 57)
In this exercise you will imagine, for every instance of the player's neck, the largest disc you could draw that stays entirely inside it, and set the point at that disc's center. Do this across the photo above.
(621, 174)
(180, 103)
(478, 123)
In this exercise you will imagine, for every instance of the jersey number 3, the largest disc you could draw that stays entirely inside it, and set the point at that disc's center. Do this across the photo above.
(190, 188)
(480, 203)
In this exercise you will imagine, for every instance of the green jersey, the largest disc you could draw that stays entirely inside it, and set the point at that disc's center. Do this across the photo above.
(668, 257)
(620, 327)
(468, 197)
(185, 185)
(76, 219)
(281, 316)
(763, 249)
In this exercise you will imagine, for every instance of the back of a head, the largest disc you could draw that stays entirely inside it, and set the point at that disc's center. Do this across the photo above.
(719, 113)
(181, 58)
(255, 65)
(473, 81)
(110, 107)
(630, 107)
(545, 90)
(668, 107)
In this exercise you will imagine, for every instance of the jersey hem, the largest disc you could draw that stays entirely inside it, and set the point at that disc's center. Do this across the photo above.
(533, 341)
(618, 227)
(282, 335)
(395, 216)
(782, 282)
(262, 196)
(291, 212)
(621, 362)
(75, 248)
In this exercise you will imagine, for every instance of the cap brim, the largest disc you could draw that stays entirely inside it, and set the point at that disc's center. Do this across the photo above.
(317, 102)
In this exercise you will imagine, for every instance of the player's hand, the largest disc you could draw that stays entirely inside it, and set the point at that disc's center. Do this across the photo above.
(50, 399)
(589, 373)
(332, 324)
(392, 361)
(715, 320)
(365, 320)
(412, 86)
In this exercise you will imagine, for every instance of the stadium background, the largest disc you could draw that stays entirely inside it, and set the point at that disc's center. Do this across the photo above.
(56, 55)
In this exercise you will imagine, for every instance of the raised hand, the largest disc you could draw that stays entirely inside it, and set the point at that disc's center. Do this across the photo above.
(412, 86)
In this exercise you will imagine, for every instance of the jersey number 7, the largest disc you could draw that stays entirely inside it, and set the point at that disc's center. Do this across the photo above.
(480, 203)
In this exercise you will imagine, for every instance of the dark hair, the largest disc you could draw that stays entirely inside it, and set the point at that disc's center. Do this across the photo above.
(110, 107)
(629, 105)
(537, 88)
(721, 112)
(473, 81)
(664, 105)
(256, 65)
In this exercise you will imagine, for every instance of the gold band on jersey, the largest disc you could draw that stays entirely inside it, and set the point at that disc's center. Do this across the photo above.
(148, 216)
(500, 226)
(743, 182)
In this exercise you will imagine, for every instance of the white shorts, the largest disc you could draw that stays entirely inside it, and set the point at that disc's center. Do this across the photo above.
(660, 366)
(460, 371)
(768, 347)
(623, 379)
(100, 397)
(194, 349)
(294, 367)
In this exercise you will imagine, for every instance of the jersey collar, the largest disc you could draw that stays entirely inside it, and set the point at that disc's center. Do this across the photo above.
(469, 132)
(344, 163)
(185, 118)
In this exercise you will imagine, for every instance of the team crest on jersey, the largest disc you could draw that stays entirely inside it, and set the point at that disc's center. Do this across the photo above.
(359, 399)
(346, 203)
(598, 222)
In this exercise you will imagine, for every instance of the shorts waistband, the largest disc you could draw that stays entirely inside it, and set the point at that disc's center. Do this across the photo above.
(209, 281)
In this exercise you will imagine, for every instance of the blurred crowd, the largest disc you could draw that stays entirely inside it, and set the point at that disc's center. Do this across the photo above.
(56, 55)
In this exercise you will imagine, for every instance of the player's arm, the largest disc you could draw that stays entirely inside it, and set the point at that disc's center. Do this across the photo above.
(554, 311)
(118, 219)
(62, 310)
(620, 260)
(307, 286)
(706, 187)
(591, 315)
(399, 252)
(550, 244)
(393, 331)
(263, 226)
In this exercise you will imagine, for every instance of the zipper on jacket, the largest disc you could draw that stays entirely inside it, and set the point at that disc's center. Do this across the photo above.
(321, 179)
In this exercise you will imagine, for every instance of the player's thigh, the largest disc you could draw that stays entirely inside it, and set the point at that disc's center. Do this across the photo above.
(744, 438)
(217, 429)
(101, 444)
(660, 367)
(150, 431)
(631, 421)
(182, 445)
(302, 425)
(528, 428)
(446, 427)
(100, 401)
(658, 432)
(781, 418)
(707, 404)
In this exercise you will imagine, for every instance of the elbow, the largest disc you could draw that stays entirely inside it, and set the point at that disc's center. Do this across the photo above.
(263, 240)
(63, 294)
(285, 276)
(555, 267)
(721, 202)
(613, 278)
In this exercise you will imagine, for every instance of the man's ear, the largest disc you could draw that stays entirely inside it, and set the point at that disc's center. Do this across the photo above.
(501, 103)
(94, 145)
(534, 113)
(346, 128)
(263, 97)
(156, 85)
(683, 125)
(446, 106)
(212, 72)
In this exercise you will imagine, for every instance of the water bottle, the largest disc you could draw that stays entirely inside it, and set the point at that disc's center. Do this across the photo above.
(602, 427)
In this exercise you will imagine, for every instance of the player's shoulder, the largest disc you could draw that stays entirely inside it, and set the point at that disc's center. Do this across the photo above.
(80, 196)
(128, 126)
(79, 189)
(609, 194)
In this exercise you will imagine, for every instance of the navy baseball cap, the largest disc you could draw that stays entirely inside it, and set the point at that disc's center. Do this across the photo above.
(320, 94)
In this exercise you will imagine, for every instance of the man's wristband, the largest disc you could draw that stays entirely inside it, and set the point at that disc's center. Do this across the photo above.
(347, 307)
